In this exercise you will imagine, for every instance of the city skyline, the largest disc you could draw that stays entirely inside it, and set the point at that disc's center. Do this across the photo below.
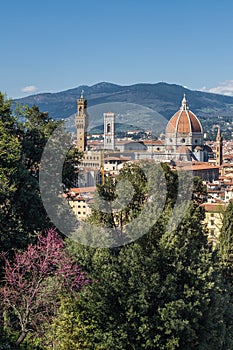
(55, 46)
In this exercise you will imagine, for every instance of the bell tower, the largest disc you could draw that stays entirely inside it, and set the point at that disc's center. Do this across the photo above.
(109, 131)
(219, 146)
(81, 120)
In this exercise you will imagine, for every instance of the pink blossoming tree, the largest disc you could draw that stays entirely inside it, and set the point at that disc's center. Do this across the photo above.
(35, 278)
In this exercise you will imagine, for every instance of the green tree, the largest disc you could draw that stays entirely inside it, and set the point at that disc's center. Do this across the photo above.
(23, 138)
(120, 200)
(225, 250)
(36, 129)
(226, 240)
(10, 158)
(161, 292)
(70, 168)
(68, 331)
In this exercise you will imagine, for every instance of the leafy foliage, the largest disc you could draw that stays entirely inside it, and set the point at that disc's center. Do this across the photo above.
(161, 292)
(226, 238)
(68, 330)
(22, 142)
(168, 290)
(225, 250)
(26, 293)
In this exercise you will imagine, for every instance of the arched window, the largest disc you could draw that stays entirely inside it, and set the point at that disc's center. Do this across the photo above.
(108, 127)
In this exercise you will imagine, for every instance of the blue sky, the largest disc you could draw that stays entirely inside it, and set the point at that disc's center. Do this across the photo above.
(50, 46)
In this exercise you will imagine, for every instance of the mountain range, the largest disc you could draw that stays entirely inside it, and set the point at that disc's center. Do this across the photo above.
(162, 97)
(132, 101)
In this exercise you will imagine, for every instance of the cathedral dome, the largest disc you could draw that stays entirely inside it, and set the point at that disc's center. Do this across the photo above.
(184, 121)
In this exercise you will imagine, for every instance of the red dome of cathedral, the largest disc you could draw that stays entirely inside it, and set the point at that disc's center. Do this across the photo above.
(184, 121)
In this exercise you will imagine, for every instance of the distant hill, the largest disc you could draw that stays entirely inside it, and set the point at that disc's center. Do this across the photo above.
(160, 97)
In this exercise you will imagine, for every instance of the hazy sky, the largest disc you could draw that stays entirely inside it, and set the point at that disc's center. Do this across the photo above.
(50, 45)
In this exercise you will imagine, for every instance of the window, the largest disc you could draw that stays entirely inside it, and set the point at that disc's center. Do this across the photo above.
(211, 222)
(212, 232)
(212, 215)
(182, 140)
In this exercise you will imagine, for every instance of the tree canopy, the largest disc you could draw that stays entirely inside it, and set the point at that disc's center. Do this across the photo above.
(164, 288)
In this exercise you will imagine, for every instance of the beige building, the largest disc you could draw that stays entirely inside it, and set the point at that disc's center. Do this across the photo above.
(112, 165)
(81, 207)
(92, 159)
(213, 219)
(80, 200)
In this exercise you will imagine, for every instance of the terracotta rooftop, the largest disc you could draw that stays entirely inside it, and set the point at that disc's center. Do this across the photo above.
(153, 142)
(81, 190)
(214, 207)
(196, 166)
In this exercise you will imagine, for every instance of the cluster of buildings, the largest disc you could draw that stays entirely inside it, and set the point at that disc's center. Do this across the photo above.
(182, 147)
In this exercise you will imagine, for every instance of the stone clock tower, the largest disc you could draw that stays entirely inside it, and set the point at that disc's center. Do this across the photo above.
(219, 146)
(81, 120)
